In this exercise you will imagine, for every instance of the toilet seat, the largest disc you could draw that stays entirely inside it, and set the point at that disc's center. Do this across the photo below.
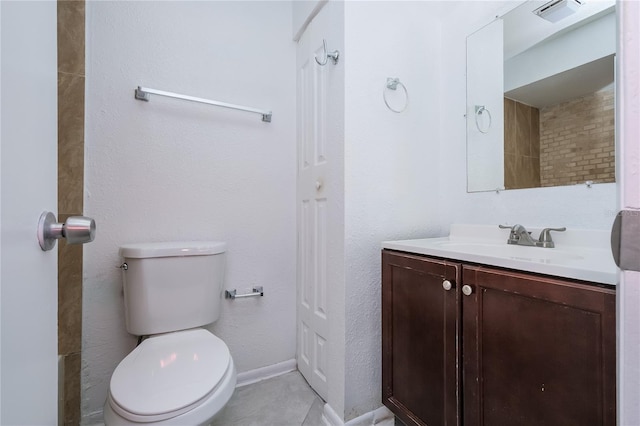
(168, 375)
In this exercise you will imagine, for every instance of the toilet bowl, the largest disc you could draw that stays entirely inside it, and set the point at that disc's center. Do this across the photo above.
(180, 378)
(180, 374)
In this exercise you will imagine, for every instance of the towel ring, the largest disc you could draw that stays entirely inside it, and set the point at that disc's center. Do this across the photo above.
(480, 109)
(392, 84)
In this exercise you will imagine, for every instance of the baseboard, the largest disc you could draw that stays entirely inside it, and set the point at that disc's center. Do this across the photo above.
(380, 417)
(252, 376)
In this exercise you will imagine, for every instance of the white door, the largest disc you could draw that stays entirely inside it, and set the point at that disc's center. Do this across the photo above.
(28, 180)
(628, 158)
(314, 194)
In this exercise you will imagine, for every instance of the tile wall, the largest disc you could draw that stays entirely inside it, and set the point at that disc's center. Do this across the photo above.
(71, 83)
(521, 145)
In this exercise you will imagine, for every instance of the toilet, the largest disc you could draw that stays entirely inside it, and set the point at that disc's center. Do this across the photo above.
(180, 374)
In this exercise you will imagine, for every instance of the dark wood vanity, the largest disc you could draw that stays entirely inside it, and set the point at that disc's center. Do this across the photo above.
(466, 344)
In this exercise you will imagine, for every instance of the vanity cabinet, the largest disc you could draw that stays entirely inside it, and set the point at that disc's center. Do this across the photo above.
(498, 348)
(420, 328)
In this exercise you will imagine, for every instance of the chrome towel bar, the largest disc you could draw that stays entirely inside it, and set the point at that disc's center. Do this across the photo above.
(142, 94)
(231, 294)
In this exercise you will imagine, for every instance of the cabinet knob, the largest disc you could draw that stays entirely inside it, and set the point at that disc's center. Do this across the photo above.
(467, 290)
(446, 284)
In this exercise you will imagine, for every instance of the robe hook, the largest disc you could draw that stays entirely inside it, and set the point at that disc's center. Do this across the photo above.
(333, 55)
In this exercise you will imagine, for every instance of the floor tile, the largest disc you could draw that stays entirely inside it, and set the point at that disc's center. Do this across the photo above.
(314, 416)
(285, 400)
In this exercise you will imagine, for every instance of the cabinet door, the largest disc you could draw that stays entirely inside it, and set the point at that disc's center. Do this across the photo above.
(419, 331)
(537, 350)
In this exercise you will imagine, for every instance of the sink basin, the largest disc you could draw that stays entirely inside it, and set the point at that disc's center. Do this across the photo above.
(525, 253)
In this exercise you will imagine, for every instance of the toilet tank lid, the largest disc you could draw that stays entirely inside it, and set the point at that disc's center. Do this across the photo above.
(174, 248)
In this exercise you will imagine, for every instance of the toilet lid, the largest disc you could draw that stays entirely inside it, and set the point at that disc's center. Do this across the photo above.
(169, 372)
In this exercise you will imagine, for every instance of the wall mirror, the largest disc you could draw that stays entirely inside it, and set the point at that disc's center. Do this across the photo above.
(540, 97)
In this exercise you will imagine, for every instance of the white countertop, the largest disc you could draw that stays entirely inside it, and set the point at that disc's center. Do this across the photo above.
(581, 254)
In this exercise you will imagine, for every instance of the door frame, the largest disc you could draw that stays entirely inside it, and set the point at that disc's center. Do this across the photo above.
(628, 178)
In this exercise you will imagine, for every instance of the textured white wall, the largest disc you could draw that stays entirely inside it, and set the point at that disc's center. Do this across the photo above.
(303, 11)
(173, 170)
(571, 206)
(391, 165)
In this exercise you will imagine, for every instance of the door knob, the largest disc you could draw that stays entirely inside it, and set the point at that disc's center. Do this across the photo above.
(446, 284)
(625, 245)
(76, 230)
(467, 290)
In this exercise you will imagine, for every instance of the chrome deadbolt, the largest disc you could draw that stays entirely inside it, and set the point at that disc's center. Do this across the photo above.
(76, 230)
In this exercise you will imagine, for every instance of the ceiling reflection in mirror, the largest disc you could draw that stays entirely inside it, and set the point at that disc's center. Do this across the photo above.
(540, 97)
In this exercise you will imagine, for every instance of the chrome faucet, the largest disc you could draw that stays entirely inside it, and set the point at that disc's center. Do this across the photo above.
(520, 236)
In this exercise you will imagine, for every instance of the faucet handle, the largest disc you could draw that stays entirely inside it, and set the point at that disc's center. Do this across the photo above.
(514, 238)
(514, 229)
(545, 239)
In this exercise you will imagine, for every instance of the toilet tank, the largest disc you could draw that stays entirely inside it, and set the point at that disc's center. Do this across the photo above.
(172, 286)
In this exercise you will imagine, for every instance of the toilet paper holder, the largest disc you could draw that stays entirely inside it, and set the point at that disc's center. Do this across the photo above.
(232, 294)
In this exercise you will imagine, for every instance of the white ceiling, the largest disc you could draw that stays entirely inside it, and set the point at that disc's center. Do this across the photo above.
(523, 29)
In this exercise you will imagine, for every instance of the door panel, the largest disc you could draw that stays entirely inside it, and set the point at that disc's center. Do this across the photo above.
(419, 333)
(28, 178)
(555, 337)
(313, 198)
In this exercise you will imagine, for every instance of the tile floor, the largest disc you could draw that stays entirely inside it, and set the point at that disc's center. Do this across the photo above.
(286, 400)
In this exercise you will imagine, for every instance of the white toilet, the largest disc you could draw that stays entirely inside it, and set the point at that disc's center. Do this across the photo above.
(180, 374)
